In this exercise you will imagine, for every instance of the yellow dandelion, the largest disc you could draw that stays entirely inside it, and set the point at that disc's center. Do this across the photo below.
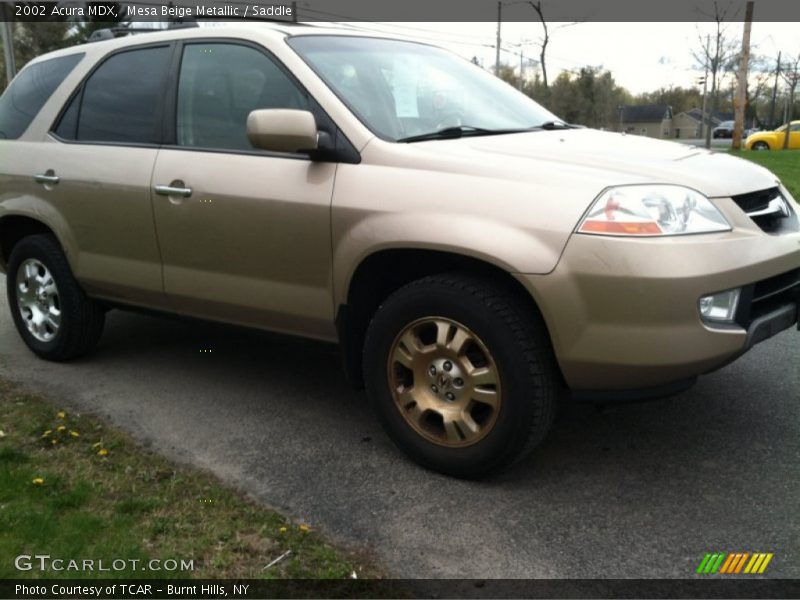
(61, 428)
(283, 530)
(38, 481)
(61, 414)
(47, 433)
(74, 434)
(304, 528)
(103, 452)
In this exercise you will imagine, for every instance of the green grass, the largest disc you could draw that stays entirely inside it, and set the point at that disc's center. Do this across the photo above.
(784, 163)
(98, 495)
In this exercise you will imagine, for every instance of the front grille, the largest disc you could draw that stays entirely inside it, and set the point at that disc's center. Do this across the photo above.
(767, 295)
(768, 209)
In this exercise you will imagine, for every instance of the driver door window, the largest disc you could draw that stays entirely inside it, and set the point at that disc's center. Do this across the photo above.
(219, 85)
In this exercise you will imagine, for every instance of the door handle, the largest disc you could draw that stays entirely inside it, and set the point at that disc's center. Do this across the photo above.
(168, 190)
(47, 178)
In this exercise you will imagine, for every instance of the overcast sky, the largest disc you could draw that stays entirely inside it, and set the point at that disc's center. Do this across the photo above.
(642, 56)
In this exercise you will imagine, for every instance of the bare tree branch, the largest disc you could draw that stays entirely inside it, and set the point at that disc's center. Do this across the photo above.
(537, 6)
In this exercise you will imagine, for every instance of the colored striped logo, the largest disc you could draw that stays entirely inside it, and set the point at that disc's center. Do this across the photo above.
(734, 563)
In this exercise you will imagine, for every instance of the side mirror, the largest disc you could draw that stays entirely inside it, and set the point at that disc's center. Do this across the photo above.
(282, 130)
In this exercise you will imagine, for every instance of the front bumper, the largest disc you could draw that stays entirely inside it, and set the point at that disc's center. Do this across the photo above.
(623, 312)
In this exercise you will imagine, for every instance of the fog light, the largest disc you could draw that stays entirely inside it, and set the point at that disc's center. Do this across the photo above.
(720, 308)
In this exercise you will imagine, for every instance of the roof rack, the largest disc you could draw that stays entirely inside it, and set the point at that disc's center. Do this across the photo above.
(115, 32)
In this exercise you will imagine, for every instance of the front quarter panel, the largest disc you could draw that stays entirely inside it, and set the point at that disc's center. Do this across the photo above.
(769, 138)
(495, 216)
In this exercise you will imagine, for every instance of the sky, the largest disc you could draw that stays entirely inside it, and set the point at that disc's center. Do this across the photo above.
(641, 56)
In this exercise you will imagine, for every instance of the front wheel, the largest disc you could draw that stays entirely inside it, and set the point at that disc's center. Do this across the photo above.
(761, 146)
(461, 375)
(52, 313)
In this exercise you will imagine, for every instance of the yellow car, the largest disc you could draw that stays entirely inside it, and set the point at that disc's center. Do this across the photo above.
(773, 140)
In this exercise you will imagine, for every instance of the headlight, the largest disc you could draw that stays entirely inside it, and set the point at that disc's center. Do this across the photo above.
(652, 210)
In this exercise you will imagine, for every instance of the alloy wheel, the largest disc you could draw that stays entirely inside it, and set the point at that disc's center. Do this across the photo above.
(38, 300)
(444, 382)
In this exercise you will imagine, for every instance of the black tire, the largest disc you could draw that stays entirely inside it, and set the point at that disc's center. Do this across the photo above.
(82, 318)
(519, 343)
(761, 146)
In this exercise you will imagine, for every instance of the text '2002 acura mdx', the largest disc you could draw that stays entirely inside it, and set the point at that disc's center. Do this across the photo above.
(473, 255)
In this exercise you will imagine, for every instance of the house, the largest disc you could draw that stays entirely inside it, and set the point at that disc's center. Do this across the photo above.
(686, 125)
(651, 120)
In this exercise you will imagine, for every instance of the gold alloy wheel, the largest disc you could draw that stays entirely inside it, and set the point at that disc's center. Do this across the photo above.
(444, 382)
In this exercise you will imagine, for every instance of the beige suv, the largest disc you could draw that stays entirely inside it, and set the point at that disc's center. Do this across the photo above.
(473, 255)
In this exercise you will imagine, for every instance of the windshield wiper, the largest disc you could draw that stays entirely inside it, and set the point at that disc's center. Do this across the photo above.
(450, 133)
(551, 125)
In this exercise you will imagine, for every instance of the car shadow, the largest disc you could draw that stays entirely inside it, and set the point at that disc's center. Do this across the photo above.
(652, 440)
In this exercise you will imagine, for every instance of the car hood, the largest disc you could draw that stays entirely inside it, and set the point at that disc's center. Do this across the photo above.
(603, 158)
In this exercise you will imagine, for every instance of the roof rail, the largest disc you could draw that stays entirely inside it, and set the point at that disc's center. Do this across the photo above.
(114, 32)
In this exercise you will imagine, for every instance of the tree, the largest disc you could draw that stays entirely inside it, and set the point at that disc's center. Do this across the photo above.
(714, 53)
(544, 40)
(508, 75)
(790, 72)
(588, 97)
(681, 99)
(33, 39)
(86, 26)
(757, 89)
(740, 101)
(777, 74)
(537, 6)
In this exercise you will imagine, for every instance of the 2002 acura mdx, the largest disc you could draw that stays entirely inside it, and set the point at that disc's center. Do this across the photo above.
(473, 255)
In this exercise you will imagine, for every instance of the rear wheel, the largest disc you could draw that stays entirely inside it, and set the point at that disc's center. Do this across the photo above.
(52, 313)
(460, 374)
(761, 146)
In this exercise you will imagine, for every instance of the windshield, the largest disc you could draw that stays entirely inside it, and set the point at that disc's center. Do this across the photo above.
(403, 90)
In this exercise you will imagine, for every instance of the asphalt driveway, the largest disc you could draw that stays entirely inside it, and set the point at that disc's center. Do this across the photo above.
(632, 491)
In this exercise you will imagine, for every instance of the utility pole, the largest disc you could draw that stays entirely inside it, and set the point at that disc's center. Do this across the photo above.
(771, 123)
(499, 22)
(703, 116)
(786, 112)
(521, 65)
(739, 104)
(8, 41)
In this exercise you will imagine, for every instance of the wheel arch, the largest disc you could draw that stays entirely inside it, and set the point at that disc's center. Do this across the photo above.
(15, 227)
(384, 271)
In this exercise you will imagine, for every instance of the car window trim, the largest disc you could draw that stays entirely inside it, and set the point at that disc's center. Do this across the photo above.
(79, 89)
(166, 109)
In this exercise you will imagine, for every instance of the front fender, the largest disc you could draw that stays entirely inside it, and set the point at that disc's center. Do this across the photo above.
(501, 244)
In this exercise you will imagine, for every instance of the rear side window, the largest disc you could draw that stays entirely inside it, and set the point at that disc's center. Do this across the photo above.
(119, 102)
(29, 91)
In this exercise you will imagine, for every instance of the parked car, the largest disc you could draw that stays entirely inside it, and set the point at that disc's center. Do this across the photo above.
(723, 130)
(476, 258)
(774, 140)
(748, 132)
